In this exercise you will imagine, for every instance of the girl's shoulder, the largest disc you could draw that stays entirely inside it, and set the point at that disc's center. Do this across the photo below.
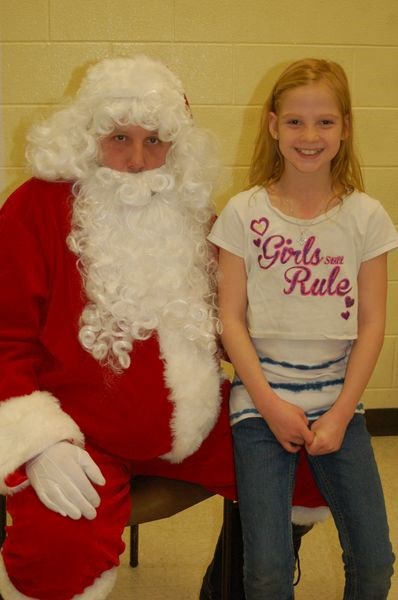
(361, 201)
(251, 198)
(253, 193)
(363, 209)
(366, 217)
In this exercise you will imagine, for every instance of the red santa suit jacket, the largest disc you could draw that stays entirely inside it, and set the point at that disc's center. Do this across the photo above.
(53, 388)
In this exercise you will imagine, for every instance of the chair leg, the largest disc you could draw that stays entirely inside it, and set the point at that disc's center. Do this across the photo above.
(3, 519)
(134, 545)
(232, 554)
(226, 550)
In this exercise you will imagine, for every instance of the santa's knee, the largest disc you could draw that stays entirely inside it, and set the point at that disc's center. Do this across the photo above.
(98, 590)
(47, 556)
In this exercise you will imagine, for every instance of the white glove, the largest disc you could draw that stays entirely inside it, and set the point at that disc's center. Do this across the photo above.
(61, 476)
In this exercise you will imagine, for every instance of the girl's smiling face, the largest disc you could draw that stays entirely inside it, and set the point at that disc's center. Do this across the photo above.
(133, 148)
(309, 127)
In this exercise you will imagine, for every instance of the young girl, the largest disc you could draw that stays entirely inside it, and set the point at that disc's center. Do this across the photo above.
(302, 297)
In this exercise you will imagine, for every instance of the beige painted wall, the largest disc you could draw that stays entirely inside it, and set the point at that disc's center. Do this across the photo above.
(226, 52)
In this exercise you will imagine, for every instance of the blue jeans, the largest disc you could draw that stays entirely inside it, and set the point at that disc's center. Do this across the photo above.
(350, 483)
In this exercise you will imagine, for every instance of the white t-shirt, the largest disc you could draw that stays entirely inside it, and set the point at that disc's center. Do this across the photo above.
(302, 287)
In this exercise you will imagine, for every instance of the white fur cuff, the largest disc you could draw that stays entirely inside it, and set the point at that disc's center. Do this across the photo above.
(101, 587)
(29, 425)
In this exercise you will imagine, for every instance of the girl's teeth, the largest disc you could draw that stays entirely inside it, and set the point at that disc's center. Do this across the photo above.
(308, 152)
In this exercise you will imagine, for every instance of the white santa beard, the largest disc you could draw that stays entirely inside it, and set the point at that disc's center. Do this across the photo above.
(144, 269)
(144, 264)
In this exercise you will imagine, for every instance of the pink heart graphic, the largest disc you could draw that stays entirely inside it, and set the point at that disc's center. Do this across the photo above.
(346, 315)
(257, 242)
(349, 301)
(260, 226)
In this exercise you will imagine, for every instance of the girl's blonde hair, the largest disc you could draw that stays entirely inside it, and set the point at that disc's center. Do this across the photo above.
(267, 164)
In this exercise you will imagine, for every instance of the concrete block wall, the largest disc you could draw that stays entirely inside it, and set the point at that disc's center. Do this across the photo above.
(227, 53)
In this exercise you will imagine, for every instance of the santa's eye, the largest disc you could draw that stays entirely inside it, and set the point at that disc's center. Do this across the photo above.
(120, 137)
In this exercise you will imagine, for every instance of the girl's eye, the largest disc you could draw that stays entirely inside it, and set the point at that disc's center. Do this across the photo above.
(293, 122)
(153, 139)
(326, 122)
(119, 137)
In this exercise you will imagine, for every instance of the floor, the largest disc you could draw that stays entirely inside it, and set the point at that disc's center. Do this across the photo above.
(174, 552)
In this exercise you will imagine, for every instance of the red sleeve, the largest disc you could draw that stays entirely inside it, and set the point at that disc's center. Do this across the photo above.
(25, 257)
(31, 419)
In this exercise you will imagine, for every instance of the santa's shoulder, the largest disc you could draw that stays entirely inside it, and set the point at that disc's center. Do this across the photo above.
(37, 197)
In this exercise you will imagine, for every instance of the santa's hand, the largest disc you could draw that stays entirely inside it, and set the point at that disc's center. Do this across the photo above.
(61, 477)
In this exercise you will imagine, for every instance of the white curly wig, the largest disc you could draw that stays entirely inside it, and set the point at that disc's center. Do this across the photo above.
(139, 90)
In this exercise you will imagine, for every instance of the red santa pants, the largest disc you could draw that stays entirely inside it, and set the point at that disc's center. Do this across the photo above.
(51, 557)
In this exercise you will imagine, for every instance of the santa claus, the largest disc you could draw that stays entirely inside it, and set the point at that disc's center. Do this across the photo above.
(108, 328)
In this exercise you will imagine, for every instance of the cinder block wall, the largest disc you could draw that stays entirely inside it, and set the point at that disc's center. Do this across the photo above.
(227, 53)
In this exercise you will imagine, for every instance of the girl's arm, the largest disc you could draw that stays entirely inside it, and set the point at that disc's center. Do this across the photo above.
(288, 422)
(372, 291)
